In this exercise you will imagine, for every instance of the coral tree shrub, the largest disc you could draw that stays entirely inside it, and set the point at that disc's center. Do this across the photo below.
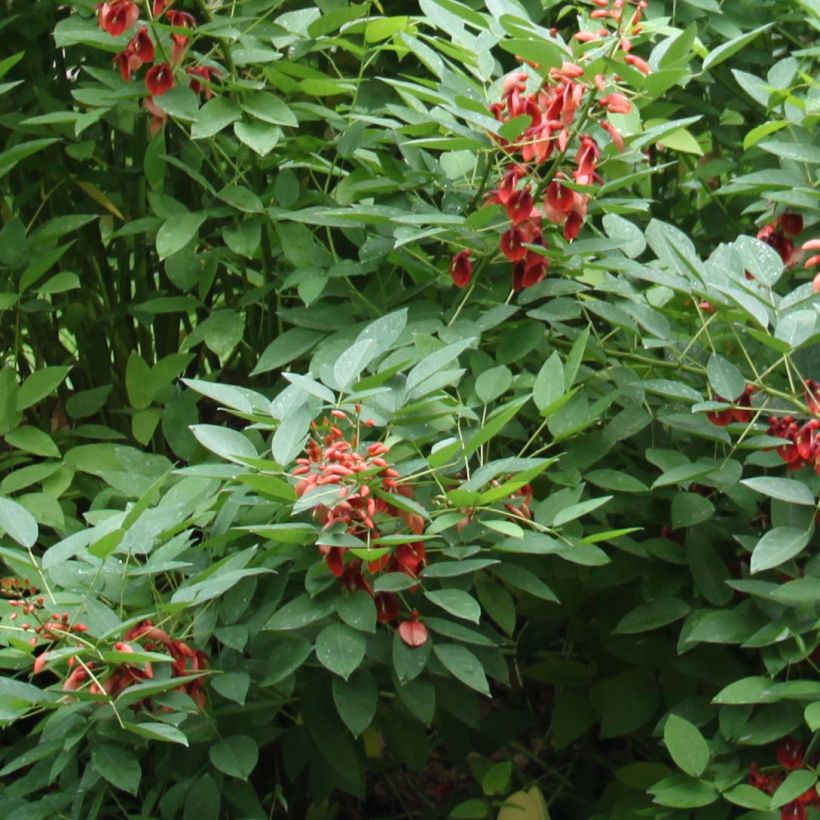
(409, 411)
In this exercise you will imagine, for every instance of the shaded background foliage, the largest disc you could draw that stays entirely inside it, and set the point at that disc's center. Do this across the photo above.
(342, 161)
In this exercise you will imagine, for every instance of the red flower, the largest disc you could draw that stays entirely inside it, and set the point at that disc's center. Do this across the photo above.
(792, 224)
(767, 783)
(159, 79)
(118, 16)
(806, 440)
(158, 116)
(387, 607)
(519, 206)
(511, 244)
(410, 558)
(461, 269)
(573, 225)
(558, 201)
(614, 135)
(142, 46)
(790, 754)
(127, 62)
(786, 428)
(586, 159)
(413, 632)
(140, 50)
(638, 63)
(179, 19)
(616, 104)
(352, 578)
(530, 271)
(740, 413)
(334, 558)
(160, 6)
(205, 73)
(794, 811)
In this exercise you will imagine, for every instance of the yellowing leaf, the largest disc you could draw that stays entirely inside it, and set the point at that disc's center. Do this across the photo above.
(682, 140)
(525, 806)
(98, 196)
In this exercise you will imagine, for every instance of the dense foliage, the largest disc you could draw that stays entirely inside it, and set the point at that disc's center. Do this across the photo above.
(409, 409)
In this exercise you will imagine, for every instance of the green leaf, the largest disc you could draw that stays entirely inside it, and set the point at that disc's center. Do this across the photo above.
(796, 783)
(616, 480)
(456, 602)
(215, 115)
(32, 440)
(497, 603)
(409, 662)
(725, 51)
(784, 489)
(117, 765)
(11, 156)
(452, 569)
(357, 610)
(137, 381)
(524, 580)
(574, 511)
(540, 51)
(748, 797)
(40, 384)
(493, 383)
(18, 522)
(549, 384)
(356, 700)
(299, 613)
(724, 378)
(352, 361)
(232, 685)
(340, 649)
(177, 231)
(162, 732)
(269, 108)
(812, 716)
(756, 134)
(686, 745)
(463, 665)
(630, 236)
(777, 546)
(683, 792)
(285, 659)
(259, 137)
(235, 756)
(225, 442)
(496, 780)
(689, 509)
(419, 696)
(285, 348)
(796, 151)
(652, 615)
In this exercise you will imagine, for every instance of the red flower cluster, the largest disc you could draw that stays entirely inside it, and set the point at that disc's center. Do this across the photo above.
(741, 412)
(779, 234)
(552, 110)
(120, 15)
(53, 628)
(516, 507)
(363, 480)
(802, 438)
(187, 661)
(791, 756)
(15, 588)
